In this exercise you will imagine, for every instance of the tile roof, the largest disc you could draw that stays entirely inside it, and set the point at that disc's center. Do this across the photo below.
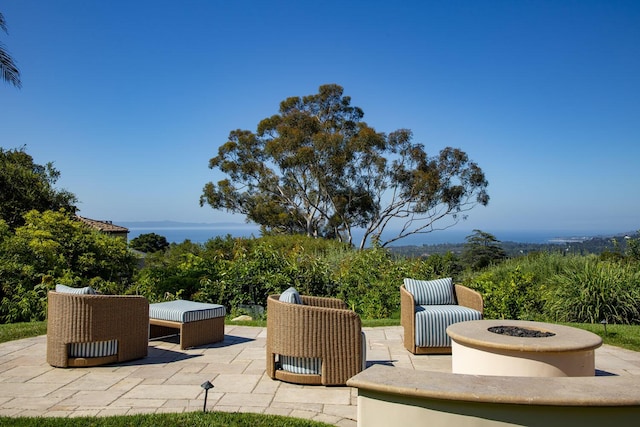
(105, 226)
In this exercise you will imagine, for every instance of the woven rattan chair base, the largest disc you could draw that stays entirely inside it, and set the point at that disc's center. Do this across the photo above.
(320, 328)
(84, 362)
(192, 334)
(75, 318)
(290, 377)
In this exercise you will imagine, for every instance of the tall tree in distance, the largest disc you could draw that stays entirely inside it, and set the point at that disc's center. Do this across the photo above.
(149, 243)
(481, 250)
(26, 185)
(8, 68)
(317, 168)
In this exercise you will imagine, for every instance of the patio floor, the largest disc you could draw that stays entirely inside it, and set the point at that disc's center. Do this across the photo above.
(169, 379)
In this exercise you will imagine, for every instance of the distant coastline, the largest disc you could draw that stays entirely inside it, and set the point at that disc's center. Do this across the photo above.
(178, 232)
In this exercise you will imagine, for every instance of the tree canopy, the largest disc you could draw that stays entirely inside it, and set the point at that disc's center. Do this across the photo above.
(317, 168)
(8, 68)
(149, 243)
(26, 185)
(482, 249)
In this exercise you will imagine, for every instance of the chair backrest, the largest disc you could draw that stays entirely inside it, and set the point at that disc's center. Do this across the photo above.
(86, 318)
(431, 292)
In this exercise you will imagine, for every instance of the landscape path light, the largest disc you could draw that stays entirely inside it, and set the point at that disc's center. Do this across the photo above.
(604, 323)
(206, 386)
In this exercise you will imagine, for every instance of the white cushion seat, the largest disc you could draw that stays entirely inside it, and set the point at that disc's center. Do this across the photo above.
(183, 311)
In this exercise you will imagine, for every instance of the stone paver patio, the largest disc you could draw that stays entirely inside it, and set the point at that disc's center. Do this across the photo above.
(169, 379)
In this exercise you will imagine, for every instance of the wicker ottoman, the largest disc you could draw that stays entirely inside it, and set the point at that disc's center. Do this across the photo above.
(196, 322)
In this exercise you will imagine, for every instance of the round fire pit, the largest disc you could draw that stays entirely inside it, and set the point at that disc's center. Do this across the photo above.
(522, 348)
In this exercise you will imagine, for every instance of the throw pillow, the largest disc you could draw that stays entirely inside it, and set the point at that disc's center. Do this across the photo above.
(88, 290)
(291, 295)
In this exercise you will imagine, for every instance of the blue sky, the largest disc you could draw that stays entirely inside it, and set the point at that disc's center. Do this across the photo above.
(130, 99)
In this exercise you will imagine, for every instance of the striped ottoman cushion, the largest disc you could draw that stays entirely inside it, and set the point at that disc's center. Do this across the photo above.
(432, 322)
(93, 349)
(185, 311)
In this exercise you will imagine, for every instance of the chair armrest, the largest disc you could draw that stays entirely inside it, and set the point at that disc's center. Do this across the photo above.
(408, 317)
(467, 297)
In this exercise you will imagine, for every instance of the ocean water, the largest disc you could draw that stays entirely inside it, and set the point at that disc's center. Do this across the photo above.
(201, 235)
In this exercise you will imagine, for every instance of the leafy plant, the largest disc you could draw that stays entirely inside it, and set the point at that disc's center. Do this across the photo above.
(50, 248)
(599, 291)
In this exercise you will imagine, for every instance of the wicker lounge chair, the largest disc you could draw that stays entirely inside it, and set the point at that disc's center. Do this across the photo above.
(320, 329)
(425, 322)
(90, 330)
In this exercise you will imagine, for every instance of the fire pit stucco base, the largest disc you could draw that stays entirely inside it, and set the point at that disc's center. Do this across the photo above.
(477, 351)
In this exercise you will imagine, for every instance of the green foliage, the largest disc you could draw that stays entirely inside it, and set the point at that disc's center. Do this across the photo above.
(364, 288)
(8, 69)
(149, 242)
(598, 291)
(317, 168)
(632, 251)
(482, 250)
(53, 247)
(555, 287)
(512, 297)
(239, 271)
(518, 288)
(25, 186)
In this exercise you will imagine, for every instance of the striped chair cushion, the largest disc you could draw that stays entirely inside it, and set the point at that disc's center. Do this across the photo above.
(301, 365)
(93, 349)
(431, 292)
(185, 311)
(432, 322)
(291, 295)
(87, 290)
(313, 365)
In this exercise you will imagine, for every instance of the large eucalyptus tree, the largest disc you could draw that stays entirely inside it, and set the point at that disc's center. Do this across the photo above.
(317, 168)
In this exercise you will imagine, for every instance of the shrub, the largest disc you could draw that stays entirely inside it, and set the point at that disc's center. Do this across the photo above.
(511, 296)
(51, 248)
(598, 291)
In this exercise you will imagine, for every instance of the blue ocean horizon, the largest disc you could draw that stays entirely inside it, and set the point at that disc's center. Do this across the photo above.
(202, 234)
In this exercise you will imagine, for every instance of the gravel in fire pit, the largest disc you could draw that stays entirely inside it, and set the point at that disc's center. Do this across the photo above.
(517, 331)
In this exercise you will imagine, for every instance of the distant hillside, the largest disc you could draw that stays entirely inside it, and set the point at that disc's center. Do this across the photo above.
(178, 224)
(582, 246)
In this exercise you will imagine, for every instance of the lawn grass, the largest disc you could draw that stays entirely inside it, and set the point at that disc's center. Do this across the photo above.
(16, 331)
(192, 419)
(625, 336)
